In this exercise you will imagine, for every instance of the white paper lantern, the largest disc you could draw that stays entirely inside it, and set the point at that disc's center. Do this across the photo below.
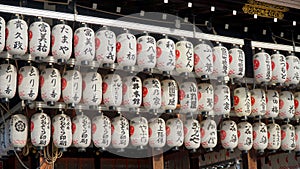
(228, 134)
(208, 132)
(278, 64)
(139, 134)
(245, 136)
(112, 90)
(288, 141)
(296, 104)
(120, 132)
(188, 97)
(205, 97)
(286, 105)
(151, 93)
(262, 67)
(165, 53)
(50, 84)
(40, 130)
(84, 44)
(184, 57)
(258, 102)
(105, 46)
(157, 133)
(236, 63)
(28, 82)
(8, 79)
(101, 131)
(272, 99)
(92, 88)
(126, 49)
(222, 100)
(203, 60)
(221, 62)
(19, 130)
(61, 40)
(72, 87)
(169, 94)
(2, 34)
(260, 136)
(81, 129)
(132, 91)
(62, 131)
(297, 140)
(293, 70)
(39, 39)
(274, 136)
(16, 37)
(192, 136)
(146, 52)
(175, 133)
(242, 101)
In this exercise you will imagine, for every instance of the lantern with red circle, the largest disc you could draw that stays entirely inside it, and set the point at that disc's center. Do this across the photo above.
(262, 67)
(192, 137)
(72, 87)
(286, 105)
(2, 32)
(165, 54)
(293, 70)
(208, 132)
(245, 136)
(139, 134)
(274, 136)
(50, 84)
(81, 129)
(8, 79)
(175, 133)
(203, 60)
(296, 104)
(220, 62)
(112, 90)
(120, 133)
(188, 97)
(18, 131)
(236, 63)
(146, 52)
(205, 97)
(101, 131)
(105, 42)
(132, 91)
(297, 140)
(229, 135)
(258, 102)
(126, 49)
(184, 57)
(40, 130)
(272, 99)
(157, 133)
(169, 94)
(242, 101)
(84, 44)
(62, 131)
(17, 37)
(222, 100)
(61, 41)
(28, 82)
(288, 141)
(39, 39)
(260, 136)
(92, 88)
(151, 93)
(279, 73)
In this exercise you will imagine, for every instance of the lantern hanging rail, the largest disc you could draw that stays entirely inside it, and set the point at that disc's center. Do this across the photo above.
(280, 47)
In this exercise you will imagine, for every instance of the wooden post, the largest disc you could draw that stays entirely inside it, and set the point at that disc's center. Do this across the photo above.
(250, 160)
(158, 161)
(44, 165)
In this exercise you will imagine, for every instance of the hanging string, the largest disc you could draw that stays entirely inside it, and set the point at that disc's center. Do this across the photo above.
(51, 158)
(20, 161)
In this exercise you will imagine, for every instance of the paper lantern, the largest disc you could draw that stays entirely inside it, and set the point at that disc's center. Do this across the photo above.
(81, 129)
(72, 87)
(274, 136)
(139, 134)
(220, 62)
(112, 90)
(120, 132)
(146, 52)
(229, 135)
(262, 67)
(208, 132)
(61, 41)
(62, 131)
(40, 130)
(8, 79)
(101, 131)
(126, 49)
(28, 82)
(286, 105)
(192, 137)
(222, 100)
(184, 56)
(2, 33)
(288, 141)
(175, 133)
(205, 97)
(203, 60)
(297, 140)
(169, 94)
(152, 93)
(296, 104)
(293, 70)
(132, 91)
(272, 99)
(258, 102)
(16, 33)
(50, 84)
(188, 97)
(39, 40)
(105, 46)
(260, 136)
(165, 54)
(157, 133)
(242, 101)
(18, 131)
(236, 63)
(278, 64)
(84, 44)
(92, 88)
(245, 136)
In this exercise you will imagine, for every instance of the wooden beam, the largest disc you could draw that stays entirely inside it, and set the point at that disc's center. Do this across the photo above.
(250, 160)
(158, 161)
